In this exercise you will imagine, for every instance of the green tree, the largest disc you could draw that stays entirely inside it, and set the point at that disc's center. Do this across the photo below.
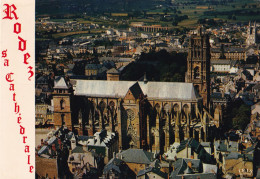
(242, 117)
(174, 23)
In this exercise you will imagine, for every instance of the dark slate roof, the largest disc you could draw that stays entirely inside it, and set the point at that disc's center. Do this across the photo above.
(109, 64)
(108, 59)
(232, 146)
(41, 98)
(182, 145)
(113, 71)
(69, 135)
(218, 96)
(137, 156)
(221, 146)
(249, 87)
(119, 168)
(196, 176)
(191, 143)
(43, 150)
(78, 149)
(248, 157)
(181, 169)
(205, 144)
(233, 155)
(228, 49)
(42, 80)
(84, 138)
(203, 155)
(153, 170)
(93, 66)
(113, 164)
(195, 164)
(247, 74)
(136, 90)
(71, 66)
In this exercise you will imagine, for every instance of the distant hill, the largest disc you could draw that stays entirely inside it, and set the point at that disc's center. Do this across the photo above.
(93, 6)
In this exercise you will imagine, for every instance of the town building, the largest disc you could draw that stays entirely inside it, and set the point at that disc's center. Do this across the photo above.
(231, 53)
(117, 168)
(104, 143)
(251, 34)
(189, 168)
(137, 159)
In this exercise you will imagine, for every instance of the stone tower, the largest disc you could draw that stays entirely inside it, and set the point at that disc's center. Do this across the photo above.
(113, 75)
(61, 102)
(251, 34)
(198, 64)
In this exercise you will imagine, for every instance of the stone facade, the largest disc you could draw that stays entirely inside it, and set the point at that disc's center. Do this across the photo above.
(198, 64)
(251, 34)
(61, 101)
(140, 120)
(113, 75)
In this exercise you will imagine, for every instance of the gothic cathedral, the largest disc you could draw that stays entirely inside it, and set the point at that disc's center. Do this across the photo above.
(144, 114)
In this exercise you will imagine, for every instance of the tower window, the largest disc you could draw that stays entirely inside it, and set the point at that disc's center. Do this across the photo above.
(196, 73)
(197, 88)
(62, 104)
(62, 119)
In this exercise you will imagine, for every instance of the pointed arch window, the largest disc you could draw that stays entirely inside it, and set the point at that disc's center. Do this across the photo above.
(186, 109)
(196, 73)
(176, 108)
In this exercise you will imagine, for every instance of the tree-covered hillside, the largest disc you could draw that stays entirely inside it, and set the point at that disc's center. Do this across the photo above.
(93, 6)
(158, 66)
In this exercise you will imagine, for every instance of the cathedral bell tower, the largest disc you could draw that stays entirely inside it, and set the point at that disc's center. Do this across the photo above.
(251, 34)
(198, 65)
(61, 102)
